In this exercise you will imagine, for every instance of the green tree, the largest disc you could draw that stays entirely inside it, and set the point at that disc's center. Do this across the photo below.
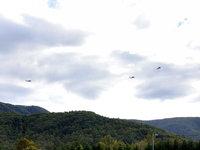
(100, 146)
(24, 143)
(72, 147)
(149, 138)
(159, 146)
(197, 146)
(142, 144)
(30, 148)
(128, 146)
(79, 147)
(97, 147)
(136, 148)
(120, 147)
(190, 145)
(184, 145)
(55, 148)
(176, 145)
(108, 140)
(148, 147)
(87, 147)
(167, 145)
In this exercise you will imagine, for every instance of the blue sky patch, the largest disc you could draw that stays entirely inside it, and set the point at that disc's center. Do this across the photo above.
(182, 22)
(52, 3)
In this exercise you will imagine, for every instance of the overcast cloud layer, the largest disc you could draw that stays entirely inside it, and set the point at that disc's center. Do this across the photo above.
(36, 33)
(81, 57)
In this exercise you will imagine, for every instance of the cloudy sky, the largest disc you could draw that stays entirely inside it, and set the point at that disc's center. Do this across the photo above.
(80, 55)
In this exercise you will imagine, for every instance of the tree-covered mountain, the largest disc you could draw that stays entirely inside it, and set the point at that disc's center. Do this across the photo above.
(187, 126)
(54, 129)
(24, 110)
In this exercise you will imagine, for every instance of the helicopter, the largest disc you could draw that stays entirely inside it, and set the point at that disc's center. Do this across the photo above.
(159, 68)
(132, 77)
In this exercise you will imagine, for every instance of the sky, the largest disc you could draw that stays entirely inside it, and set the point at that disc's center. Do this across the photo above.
(80, 55)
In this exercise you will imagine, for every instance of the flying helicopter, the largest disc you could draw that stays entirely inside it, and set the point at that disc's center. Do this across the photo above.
(158, 68)
(28, 80)
(132, 77)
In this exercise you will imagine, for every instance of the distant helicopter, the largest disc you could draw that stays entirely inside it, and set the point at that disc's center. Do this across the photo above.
(158, 67)
(132, 77)
(28, 80)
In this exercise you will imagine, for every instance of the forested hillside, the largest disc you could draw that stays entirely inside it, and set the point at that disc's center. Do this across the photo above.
(48, 130)
(187, 126)
(4, 107)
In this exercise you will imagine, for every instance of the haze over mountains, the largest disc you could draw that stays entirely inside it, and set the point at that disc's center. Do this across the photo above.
(187, 126)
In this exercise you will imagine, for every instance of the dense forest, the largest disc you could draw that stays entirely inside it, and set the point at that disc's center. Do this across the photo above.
(187, 126)
(108, 143)
(25, 110)
(50, 130)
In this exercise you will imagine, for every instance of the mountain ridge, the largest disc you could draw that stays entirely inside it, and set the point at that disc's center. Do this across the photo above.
(48, 130)
(186, 126)
(20, 109)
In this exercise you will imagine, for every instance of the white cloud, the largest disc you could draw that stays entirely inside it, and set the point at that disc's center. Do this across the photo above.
(80, 55)
(37, 33)
(141, 22)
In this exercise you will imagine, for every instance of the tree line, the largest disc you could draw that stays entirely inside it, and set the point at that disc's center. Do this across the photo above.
(108, 143)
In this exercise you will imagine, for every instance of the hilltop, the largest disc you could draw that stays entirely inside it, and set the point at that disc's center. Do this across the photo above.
(24, 110)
